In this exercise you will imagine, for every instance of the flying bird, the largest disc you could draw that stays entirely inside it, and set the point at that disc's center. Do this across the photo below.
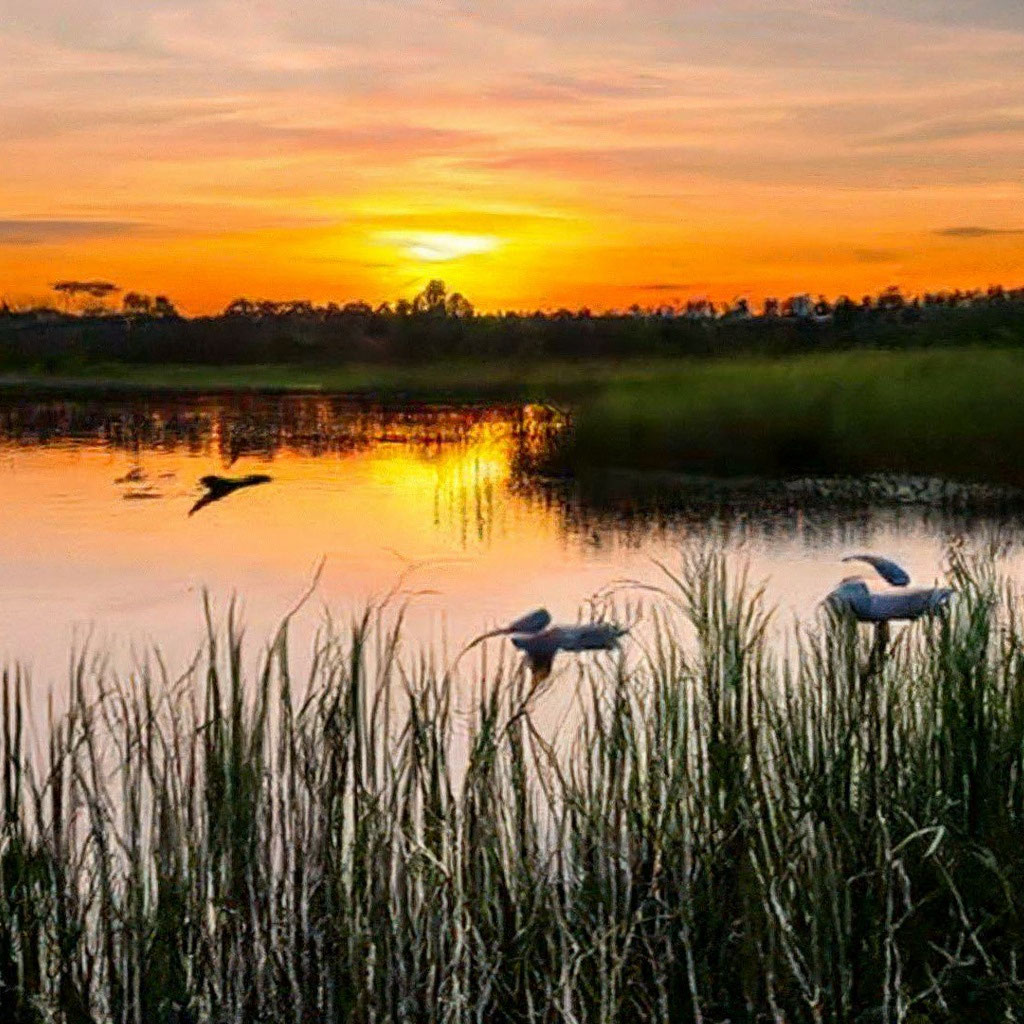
(541, 647)
(531, 622)
(534, 635)
(853, 597)
(886, 568)
(218, 487)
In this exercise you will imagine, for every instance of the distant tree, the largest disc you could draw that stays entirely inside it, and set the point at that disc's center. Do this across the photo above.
(845, 311)
(163, 307)
(136, 304)
(431, 299)
(798, 306)
(891, 299)
(240, 307)
(357, 309)
(459, 306)
(403, 307)
(93, 307)
(96, 290)
(699, 309)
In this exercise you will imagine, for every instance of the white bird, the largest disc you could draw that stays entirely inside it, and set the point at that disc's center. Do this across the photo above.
(853, 597)
(534, 635)
(885, 567)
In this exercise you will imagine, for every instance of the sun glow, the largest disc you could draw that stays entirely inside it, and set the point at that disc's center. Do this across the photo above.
(437, 246)
(530, 157)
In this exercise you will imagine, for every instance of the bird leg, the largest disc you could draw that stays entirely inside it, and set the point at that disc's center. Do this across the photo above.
(876, 660)
(869, 696)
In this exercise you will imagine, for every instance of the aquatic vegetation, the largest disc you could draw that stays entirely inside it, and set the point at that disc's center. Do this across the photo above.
(941, 413)
(875, 418)
(728, 827)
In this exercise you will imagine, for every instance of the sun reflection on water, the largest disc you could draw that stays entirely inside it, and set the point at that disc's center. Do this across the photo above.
(96, 534)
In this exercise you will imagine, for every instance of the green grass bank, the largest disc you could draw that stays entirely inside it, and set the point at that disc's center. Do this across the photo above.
(956, 413)
(951, 413)
(459, 380)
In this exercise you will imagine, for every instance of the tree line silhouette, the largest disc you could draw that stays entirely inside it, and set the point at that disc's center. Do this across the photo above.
(438, 324)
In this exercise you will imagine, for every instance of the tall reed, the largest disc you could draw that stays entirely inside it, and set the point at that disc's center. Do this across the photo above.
(724, 830)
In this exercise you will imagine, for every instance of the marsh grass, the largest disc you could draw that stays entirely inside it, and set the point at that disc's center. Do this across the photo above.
(724, 829)
(944, 413)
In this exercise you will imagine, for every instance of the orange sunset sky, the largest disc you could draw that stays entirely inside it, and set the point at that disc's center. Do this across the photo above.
(532, 153)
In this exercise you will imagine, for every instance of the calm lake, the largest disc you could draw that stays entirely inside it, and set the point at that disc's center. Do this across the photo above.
(97, 546)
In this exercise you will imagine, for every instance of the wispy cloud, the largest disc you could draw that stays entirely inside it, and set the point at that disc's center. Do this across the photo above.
(30, 231)
(953, 129)
(542, 148)
(974, 231)
(878, 255)
(238, 136)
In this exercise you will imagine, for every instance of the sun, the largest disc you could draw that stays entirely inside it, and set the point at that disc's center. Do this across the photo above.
(437, 246)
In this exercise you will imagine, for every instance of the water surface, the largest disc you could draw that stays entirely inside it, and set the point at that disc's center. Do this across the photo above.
(97, 546)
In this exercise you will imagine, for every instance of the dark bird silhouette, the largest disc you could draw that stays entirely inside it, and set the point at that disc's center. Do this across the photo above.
(218, 487)
(531, 622)
(534, 635)
(541, 647)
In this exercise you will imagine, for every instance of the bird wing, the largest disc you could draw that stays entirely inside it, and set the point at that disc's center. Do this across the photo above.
(206, 499)
(532, 644)
(851, 597)
(911, 604)
(526, 625)
(885, 567)
(540, 650)
(532, 622)
(590, 636)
